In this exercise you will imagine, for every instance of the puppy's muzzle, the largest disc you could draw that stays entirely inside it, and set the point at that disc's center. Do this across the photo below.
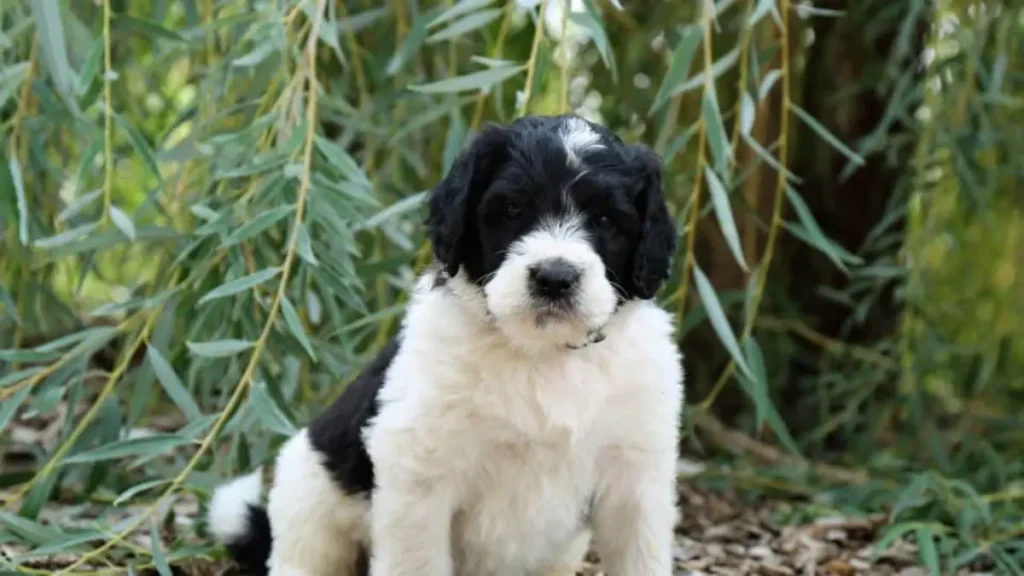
(554, 280)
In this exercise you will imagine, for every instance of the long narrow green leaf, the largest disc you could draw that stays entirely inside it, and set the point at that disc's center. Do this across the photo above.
(726, 220)
(219, 348)
(157, 548)
(481, 80)
(123, 222)
(9, 407)
(138, 489)
(147, 445)
(465, 25)
(757, 388)
(53, 46)
(718, 140)
(682, 58)
(22, 201)
(826, 135)
(268, 411)
(718, 320)
(929, 553)
(140, 145)
(815, 236)
(460, 8)
(242, 284)
(148, 27)
(591, 20)
(29, 530)
(258, 224)
(172, 384)
(291, 318)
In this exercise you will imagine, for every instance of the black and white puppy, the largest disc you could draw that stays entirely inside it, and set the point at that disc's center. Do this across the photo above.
(531, 401)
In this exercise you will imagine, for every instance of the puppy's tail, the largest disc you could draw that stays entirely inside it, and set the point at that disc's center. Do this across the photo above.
(239, 521)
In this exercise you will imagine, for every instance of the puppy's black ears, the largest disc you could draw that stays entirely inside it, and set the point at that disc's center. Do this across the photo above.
(656, 247)
(453, 202)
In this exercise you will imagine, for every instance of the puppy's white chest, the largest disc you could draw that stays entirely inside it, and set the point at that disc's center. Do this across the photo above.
(524, 505)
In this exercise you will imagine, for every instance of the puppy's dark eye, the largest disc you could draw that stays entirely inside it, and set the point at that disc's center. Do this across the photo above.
(603, 222)
(513, 211)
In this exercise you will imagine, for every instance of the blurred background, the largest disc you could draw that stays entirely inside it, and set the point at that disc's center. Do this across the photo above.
(210, 215)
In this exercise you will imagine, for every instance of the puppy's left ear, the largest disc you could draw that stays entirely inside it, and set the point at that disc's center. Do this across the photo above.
(656, 247)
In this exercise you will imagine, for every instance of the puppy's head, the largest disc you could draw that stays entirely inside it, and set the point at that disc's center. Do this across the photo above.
(554, 221)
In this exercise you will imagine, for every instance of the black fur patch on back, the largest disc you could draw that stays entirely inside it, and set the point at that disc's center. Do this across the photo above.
(337, 433)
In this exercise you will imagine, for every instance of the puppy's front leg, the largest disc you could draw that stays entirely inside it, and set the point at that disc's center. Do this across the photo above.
(411, 530)
(635, 513)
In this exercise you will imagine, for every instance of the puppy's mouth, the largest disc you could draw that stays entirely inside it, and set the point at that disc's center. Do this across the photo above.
(545, 313)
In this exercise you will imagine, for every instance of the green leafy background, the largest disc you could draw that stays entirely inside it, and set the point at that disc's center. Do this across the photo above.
(210, 215)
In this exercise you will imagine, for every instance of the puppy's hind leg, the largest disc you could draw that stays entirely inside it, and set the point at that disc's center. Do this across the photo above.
(318, 528)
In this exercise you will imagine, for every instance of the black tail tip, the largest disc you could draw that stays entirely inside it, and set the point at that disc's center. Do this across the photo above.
(252, 549)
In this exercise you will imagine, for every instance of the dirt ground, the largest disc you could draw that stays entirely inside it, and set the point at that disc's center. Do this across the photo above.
(720, 533)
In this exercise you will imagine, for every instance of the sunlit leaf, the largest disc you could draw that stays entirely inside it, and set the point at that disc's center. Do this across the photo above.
(717, 138)
(219, 348)
(53, 45)
(304, 245)
(255, 56)
(465, 25)
(243, 284)
(768, 158)
(481, 80)
(763, 8)
(726, 220)
(397, 209)
(766, 85)
(718, 67)
(748, 113)
(458, 9)
(682, 58)
(22, 201)
(138, 489)
(73, 208)
(123, 222)
(591, 20)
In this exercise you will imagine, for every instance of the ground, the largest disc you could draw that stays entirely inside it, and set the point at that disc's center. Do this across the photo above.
(720, 532)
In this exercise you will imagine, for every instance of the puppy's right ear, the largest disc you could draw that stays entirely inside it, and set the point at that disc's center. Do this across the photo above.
(453, 202)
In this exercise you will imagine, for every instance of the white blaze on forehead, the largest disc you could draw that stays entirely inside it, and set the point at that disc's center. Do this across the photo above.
(568, 227)
(578, 137)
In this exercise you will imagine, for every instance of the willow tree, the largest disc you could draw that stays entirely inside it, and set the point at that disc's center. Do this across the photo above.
(210, 217)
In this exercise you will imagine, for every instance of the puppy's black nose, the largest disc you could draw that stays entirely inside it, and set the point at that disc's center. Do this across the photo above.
(553, 279)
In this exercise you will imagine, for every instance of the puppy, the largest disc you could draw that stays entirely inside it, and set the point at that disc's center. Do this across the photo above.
(532, 398)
